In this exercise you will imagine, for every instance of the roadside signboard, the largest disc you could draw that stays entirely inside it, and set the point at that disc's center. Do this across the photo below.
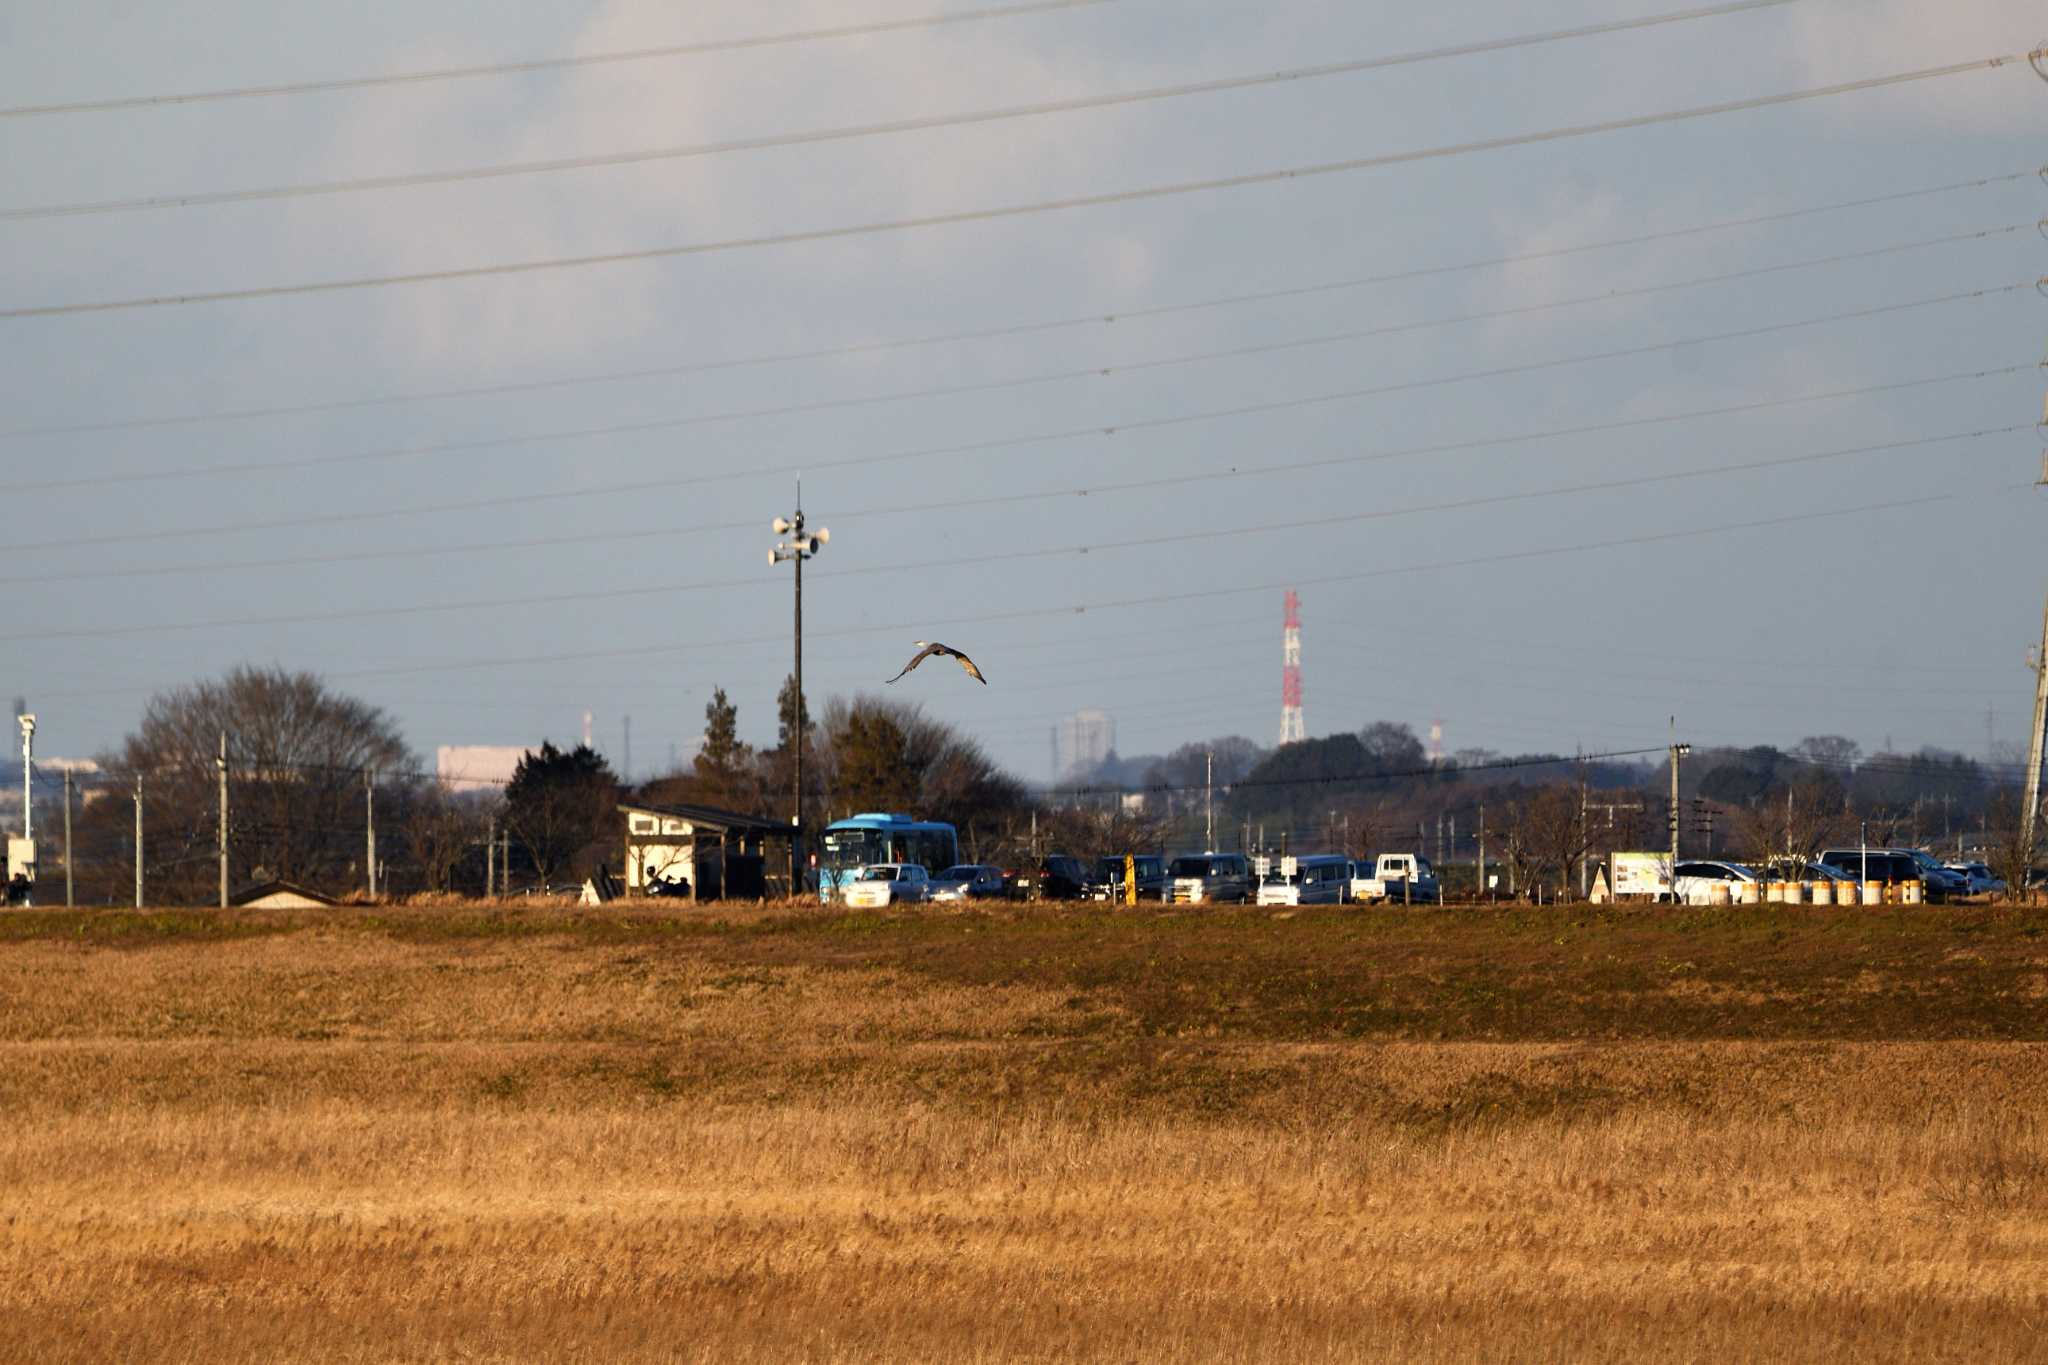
(1641, 874)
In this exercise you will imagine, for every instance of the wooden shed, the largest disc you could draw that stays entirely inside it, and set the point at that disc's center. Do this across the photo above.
(703, 853)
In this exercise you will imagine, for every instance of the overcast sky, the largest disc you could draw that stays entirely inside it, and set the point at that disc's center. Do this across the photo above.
(1801, 610)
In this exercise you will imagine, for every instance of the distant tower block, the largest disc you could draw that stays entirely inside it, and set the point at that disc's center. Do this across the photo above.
(1291, 727)
(1436, 741)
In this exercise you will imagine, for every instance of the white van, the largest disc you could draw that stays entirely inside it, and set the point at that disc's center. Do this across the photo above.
(1319, 879)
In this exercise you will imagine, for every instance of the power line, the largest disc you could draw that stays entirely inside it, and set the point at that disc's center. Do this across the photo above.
(964, 216)
(947, 505)
(1009, 330)
(848, 133)
(547, 63)
(1122, 543)
(755, 471)
(985, 386)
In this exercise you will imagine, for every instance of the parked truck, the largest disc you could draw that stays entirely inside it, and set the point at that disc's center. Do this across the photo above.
(1403, 878)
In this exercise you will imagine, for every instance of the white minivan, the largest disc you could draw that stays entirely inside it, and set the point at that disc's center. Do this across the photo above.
(1319, 879)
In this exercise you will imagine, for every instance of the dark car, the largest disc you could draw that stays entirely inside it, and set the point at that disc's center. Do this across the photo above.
(1107, 882)
(1059, 878)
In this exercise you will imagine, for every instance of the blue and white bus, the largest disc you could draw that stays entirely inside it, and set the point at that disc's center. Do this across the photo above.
(878, 837)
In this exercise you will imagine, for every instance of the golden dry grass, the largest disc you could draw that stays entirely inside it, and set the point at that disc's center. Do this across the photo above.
(349, 1139)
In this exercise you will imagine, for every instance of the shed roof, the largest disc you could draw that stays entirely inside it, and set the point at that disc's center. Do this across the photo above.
(710, 817)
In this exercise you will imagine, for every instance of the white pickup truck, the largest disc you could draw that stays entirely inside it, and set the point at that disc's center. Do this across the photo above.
(1401, 878)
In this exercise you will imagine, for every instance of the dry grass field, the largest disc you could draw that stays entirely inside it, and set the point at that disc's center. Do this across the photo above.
(462, 1135)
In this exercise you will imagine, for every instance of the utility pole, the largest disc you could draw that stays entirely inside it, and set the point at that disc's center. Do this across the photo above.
(138, 841)
(799, 546)
(28, 804)
(2030, 811)
(221, 764)
(68, 900)
(1209, 804)
(370, 833)
(1678, 751)
(1479, 883)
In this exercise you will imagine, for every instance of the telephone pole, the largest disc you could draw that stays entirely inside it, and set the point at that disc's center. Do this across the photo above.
(2031, 809)
(138, 841)
(69, 901)
(222, 764)
(370, 833)
(1209, 803)
(1678, 751)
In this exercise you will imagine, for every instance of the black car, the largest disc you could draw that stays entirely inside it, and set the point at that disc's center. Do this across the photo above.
(1059, 878)
(1108, 881)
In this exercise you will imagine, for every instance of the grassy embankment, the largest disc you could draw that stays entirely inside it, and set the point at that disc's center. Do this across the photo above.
(477, 1135)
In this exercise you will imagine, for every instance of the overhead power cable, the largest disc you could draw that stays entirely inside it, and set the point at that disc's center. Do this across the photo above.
(1152, 423)
(1010, 330)
(1122, 543)
(613, 537)
(1263, 348)
(1056, 376)
(963, 216)
(540, 64)
(1128, 603)
(1076, 104)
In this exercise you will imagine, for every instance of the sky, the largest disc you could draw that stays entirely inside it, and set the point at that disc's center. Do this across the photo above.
(1553, 503)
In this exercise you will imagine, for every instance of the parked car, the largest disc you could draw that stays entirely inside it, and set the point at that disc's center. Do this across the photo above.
(1058, 878)
(1107, 881)
(1317, 879)
(1979, 878)
(1940, 882)
(1209, 878)
(967, 881)
(1399, 877)
(1889, 866)
(885, 884)
(1693, 881)
(1800, 872)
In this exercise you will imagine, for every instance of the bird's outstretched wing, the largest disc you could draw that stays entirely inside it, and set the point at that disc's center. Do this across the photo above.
(920, 657)
(968, 664)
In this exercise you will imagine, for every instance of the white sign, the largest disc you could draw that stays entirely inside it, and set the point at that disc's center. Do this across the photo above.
(21, 857)
(1642, 874)
(1288, 867)
(1262, 865)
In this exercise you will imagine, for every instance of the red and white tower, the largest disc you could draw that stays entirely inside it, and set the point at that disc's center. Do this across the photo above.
(1291, 728)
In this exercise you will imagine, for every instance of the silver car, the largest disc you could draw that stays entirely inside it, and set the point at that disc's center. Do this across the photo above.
(1206, 878)
(968, 881)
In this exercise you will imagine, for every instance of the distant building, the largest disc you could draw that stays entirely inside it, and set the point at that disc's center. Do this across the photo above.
(1081, 742)
(477, 767)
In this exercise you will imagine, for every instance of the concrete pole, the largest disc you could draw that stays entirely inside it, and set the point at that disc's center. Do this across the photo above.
(491, 860)
(796, 728)
(138, 841)
(1479, 883)
(1209, 803)
(370, 833)
(2030, 810)
(221, 763)
(69, 900)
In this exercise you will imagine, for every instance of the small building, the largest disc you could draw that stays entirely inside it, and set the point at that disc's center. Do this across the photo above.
(704, 853)
(278, 896)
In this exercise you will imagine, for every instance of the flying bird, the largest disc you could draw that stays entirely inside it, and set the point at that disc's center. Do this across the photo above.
(927, 648)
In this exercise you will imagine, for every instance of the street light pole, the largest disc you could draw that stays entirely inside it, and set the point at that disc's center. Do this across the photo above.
(797, 546)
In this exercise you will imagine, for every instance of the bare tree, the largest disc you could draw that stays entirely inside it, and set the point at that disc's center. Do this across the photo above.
(440, 828)
(1553, 827)
(1790, 825)
(297, 755)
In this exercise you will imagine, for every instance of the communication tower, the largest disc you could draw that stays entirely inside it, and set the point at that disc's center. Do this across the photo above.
(1436, 741)
(1291, 728)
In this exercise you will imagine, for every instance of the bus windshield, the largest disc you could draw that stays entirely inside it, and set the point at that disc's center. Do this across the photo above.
(852, 847)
